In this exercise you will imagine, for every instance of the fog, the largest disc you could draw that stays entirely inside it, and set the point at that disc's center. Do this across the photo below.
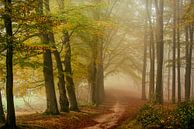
(122, 82)
(68, 56)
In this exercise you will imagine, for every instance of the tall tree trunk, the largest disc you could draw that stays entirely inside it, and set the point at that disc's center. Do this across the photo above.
(143, 95)
(160, 51)
(2, 115)
(11, 120)
(63, 101)
(52, 107)
(92, 75)
(187, 70)
(152, 52)
(49, 80)
(174, 54)
(96, 67)
(69, 76)
(99, 61)
(145, 58)
(92, 81)
(178, 51)
(189, 34)
(169, 75)
(100, 73)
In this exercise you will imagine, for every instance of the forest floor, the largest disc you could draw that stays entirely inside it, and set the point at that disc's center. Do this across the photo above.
(119, 106)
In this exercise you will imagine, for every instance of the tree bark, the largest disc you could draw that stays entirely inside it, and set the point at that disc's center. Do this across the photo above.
(160, 51)
(2, 115)
(52, 107)
(169, 75)
(92, 71)
(63, 101)
(49, 80)
(189, 35)
(96, 70)
(152, 53)
(178, 51)
(145, 58)
(11, 120)
(174, 54)
(69, 76)
(100, 73)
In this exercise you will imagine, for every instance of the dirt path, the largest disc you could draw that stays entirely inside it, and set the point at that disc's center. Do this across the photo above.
(122, 105)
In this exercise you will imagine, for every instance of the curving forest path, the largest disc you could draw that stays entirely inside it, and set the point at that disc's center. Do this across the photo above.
(122, 105)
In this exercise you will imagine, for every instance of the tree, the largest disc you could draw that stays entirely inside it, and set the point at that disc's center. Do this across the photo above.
(11, 120)
(96, 70)
(178, 3)
(63, 101)
(145, 57)
(68, 74)
(2, 79)
(2, 115)
(189, 47)
(100, 72)
(159, 5)
(151, 52)
(52, 107)
(64, 104)
(174, 54)
(92, 70)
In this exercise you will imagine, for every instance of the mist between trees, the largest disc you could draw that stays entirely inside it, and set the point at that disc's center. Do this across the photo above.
(64, 50)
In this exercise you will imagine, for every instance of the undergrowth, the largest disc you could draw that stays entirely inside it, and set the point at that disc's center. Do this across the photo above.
(152, 116)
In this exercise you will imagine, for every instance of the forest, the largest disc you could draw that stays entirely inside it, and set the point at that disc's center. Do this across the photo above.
(96, 64)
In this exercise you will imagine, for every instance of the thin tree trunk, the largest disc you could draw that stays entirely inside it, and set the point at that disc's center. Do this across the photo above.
(152, 53)
(100, 73)
(92, 75)
(192, 92)
(69, 76)
(160, 51)
(2, 115)
(187, 71)
(178, 52)
(11, 120)
(169, 75)
(98, 52)
(152, 68)
(145, 58)
(189, 35)
(144, 73)
(63, 101)
(174, 54)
